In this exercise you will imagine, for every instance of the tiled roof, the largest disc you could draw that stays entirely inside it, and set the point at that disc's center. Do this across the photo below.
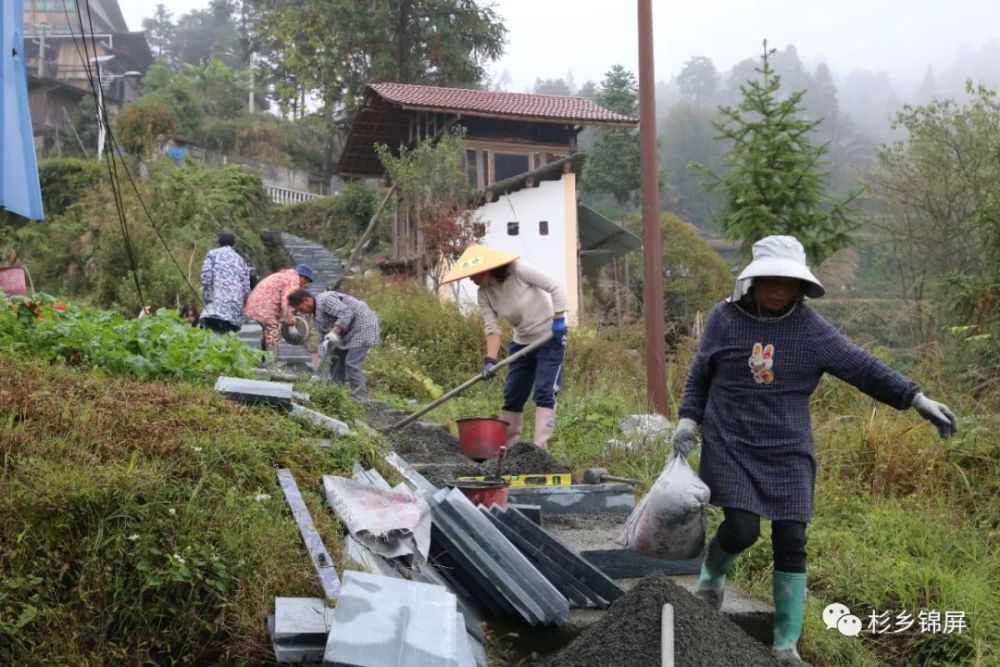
(557, 108)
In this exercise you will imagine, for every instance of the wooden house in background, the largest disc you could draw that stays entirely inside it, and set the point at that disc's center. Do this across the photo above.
(521, 153)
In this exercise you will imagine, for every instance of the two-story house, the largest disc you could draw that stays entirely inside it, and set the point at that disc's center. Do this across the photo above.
(521, 153)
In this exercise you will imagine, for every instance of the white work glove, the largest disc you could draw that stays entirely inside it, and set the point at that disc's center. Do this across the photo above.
(937, 414)
(330, 341)
(685, 437)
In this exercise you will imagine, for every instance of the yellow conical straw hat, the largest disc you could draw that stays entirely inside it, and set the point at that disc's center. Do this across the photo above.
(477, 259)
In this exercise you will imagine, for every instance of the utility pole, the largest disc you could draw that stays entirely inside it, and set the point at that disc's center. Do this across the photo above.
(43, 31)
(652, 249)
(250, 99)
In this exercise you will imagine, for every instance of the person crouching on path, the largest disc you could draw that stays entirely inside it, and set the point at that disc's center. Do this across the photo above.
(759, 360)
(535, 305)
(349, 328)
(225, 284)
(268, 303)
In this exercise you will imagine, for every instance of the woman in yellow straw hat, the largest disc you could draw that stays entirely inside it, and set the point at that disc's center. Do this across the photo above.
(535, 305)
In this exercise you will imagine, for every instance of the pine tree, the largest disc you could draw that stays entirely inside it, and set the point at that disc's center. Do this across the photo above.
(775, 182)
(613, 165)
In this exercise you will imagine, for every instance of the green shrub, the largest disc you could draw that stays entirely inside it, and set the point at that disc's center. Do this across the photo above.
(154, 347)
(140, 123)
(336, 222)
(80, 252)
(65, 181)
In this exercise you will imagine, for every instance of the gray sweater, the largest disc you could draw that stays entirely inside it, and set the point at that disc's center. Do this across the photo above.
(527, 299)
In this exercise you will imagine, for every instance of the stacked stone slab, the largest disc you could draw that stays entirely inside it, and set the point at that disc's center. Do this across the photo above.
(489, 566)
(582, 583)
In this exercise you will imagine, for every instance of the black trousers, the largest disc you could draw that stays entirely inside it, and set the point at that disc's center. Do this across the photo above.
(788, 538)
(217, 325)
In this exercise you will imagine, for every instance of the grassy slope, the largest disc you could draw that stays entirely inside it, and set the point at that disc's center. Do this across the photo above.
(142, 521)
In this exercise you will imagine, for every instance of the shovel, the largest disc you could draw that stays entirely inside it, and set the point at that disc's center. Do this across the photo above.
(465, 385)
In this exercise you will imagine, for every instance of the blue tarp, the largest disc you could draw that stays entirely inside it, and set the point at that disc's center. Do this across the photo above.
(20, 191)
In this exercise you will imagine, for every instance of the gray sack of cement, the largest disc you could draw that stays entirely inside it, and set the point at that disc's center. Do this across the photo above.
(669, 521)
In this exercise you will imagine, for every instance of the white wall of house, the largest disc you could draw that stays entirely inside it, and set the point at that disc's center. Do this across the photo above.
(551, 202)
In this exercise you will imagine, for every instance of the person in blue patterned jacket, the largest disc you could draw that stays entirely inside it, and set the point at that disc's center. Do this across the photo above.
(349, 327)
(225, 284)
(760, 358)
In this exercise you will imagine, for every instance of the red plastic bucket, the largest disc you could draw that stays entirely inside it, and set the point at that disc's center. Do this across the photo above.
(12, 280)
(483, 492)
(480, 438)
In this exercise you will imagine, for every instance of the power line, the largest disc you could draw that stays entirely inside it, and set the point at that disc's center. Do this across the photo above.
(115, 157)
(98, 99)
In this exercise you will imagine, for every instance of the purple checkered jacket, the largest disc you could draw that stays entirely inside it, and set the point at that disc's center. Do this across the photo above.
(749, 388)
(358, 321)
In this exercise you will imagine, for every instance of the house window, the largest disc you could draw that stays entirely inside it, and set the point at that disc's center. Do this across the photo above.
(513, 229)
(543, 227)
(471, 168)
(506, 165)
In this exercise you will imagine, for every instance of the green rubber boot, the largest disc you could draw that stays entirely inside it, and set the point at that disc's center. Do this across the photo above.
(789, 605)
(715, 567)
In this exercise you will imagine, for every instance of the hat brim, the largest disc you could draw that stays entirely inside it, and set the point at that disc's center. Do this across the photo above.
(784, 268)
(475, 260)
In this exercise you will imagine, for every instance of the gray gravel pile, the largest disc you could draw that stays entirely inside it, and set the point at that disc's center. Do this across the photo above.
(629, 634)
(434, 451)
(524, 458)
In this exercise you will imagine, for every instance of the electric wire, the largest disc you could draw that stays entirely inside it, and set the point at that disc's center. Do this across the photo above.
(142, 203)
(119, 204)
(113, 155)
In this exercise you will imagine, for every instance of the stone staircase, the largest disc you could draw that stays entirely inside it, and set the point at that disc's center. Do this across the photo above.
(326, 270)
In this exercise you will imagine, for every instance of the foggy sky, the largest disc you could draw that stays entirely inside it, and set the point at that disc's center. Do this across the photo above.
(548, 38)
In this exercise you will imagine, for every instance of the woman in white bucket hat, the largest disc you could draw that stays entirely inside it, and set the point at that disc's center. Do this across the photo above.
(759, 360)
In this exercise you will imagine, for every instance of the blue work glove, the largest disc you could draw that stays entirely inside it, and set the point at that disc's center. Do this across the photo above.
(685, 437)
(937, 414)
(559, 327)
(489, 363)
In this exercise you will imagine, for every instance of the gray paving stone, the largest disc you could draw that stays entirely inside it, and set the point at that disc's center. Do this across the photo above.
(577, 499)
(300, 621)
(330, 424)
(630, 564)
(592, 577)
(382, 621)
(463, 559)
(577, 594)
(509, 557)
(255, 391)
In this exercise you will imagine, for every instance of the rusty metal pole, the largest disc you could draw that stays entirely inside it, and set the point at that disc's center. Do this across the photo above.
(652, 249)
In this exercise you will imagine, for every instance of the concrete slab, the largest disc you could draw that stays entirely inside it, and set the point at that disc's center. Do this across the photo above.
(463, 650)
(320, 557)
(606, 590)
(511, 559)
(480, 568)
(576, 499)
(301, 621)
(630, 564)
(298, 654)
(381, 621)
(320, 420)
(574, 591)
(255, 391)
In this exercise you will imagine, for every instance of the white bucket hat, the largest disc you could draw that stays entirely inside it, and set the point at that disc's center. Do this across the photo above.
(778, 256)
